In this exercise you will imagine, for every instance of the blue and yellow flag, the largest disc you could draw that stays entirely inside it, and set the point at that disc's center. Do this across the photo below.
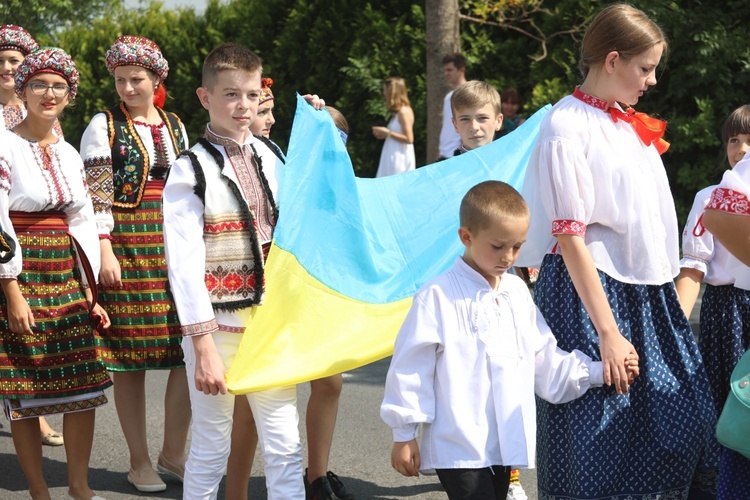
(348, 253)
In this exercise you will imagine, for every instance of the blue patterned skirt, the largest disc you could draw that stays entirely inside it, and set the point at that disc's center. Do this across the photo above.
(724, 337)
(734, 481)
(643, 445)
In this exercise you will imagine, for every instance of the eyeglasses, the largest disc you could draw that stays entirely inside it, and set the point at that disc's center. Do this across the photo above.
(58, 89)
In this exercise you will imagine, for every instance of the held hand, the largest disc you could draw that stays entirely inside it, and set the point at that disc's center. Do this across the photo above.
(380, 132)
(631, 366)
(614, 350)
(109, 274)
(405, 458)
(104, 321)
(209, 368)
(20, 317)
(314, 101)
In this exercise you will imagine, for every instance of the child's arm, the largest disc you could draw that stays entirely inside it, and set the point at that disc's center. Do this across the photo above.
(688, 286)
(559, 376)
(409, 387)
(405, 458)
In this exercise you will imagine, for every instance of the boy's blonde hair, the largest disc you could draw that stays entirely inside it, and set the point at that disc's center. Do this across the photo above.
(491, 201)
(396, 96)
(475, 94)
(229, 56)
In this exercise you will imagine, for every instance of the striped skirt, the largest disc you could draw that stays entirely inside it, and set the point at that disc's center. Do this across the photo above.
(55, 368)
(145, 332)
(649, 443)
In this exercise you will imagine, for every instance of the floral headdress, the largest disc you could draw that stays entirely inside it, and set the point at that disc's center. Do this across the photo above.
(16, 38)
(265, 90)
(131, 50)
(47, 60)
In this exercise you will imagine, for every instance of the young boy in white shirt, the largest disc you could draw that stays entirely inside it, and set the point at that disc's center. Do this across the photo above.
(470, 356)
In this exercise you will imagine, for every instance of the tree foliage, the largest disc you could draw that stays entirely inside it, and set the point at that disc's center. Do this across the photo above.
(342, 50)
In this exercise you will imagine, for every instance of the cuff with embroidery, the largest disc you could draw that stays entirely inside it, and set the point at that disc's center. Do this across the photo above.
(106, 237)
(568, 226)
(729, 200)
(199, 328)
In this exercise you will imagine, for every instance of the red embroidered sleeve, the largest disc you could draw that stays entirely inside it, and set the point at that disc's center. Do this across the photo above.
(728, 200)
(568, 226)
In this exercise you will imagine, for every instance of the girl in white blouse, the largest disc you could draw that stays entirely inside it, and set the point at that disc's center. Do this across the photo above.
(604, 231)
(48, 359)
(725, 309)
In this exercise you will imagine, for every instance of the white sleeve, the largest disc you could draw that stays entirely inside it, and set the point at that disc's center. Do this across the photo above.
(12, 268)
(409, 386)
(97, 161)
(564, 181)
(738, 179)
(697, 249)
(559, 376)
(186, 251)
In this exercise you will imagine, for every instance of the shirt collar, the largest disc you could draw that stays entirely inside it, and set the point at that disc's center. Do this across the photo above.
(469, 273)
(221, 140)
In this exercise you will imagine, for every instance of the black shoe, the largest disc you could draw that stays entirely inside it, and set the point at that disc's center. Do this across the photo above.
(338, 487)
(320, 489)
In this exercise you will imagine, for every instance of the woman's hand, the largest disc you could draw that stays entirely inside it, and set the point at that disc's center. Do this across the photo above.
(616, 353)
(20, 318)
(104, 321)
(380, 132)
(109, 273)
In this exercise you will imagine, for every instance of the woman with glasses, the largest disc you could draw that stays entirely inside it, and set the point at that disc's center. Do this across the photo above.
(15, 44)
(48, 358)
(127, 151)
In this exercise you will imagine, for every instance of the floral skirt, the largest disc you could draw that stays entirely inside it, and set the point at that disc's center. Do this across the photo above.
(145, 332)
(649, 443)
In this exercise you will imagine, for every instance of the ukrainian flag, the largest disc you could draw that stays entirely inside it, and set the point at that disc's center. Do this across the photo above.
(348, 253)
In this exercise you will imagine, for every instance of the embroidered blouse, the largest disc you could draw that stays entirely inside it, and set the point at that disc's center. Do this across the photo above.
(36, 179)
(593, 177)
(467, 363)
(12, 116)
(184, 226)
(96, 152)
(732, 196)
(700, 250)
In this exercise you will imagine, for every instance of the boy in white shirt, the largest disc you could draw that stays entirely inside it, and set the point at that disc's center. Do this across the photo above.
(470, 355)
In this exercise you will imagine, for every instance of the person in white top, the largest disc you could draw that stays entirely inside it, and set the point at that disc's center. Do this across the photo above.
(48, 358)
(470, 355)
(15, 44)
(397, 155)
(127, 151)
(726, 217)
(724, 318)
(219, 215)
(604, 230)
(454, 73)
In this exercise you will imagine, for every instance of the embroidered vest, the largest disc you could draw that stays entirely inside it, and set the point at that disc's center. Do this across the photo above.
(130, 159)
(234, 257)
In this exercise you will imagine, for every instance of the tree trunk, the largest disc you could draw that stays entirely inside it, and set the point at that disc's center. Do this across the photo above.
(443, 37)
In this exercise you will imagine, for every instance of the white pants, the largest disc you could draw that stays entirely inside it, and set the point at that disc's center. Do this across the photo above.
(275, 412)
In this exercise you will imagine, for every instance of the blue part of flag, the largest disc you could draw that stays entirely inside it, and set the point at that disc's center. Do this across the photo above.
(379, 240)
